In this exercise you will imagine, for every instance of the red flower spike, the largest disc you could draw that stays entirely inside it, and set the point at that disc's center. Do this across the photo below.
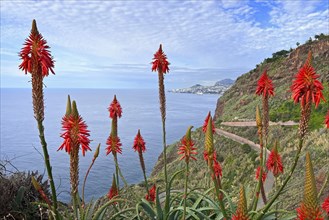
(263, 176)
(160, 62)
(325, 205)
(205, 124)
(75, 133)
(139, 143)
(151, 195)
(265, 86)
(115, 108)
(217, 169)
(326, 121)
(36, 49)
(274, 162)
(306, 85)
(113, 145)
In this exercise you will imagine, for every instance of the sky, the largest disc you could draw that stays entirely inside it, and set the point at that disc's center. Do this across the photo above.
(110, 44)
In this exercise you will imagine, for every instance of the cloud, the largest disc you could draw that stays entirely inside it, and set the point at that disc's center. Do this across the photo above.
(94, 36)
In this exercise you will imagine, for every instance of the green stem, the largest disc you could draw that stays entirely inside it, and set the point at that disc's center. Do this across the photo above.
(185, 190)
(48, 166)
(277, 205)
(162, 98)
(146, 183)
(269, 204)
(324, 185)
(260, 178)
(218, 188)
(85, 179)
(122, 177)
(117, 171)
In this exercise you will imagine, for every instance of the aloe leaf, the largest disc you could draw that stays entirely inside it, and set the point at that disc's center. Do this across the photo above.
(158, 205)
(101, 209)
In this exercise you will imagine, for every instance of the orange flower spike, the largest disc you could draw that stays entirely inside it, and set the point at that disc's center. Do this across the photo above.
(114, 191)
(326, 121)
(325, 205)
(306, 85)
(274, 162)
(241, 212)
(205, 124)
(265, 85)
(160, 62)
(309, 208)
(187, 149)
(151, 195)
(36, 51)
(115, 108)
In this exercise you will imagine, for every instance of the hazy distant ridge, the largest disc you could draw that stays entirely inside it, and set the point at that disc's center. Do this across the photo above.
(218, 88)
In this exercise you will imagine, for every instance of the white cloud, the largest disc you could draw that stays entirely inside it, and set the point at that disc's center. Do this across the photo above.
(88, 35)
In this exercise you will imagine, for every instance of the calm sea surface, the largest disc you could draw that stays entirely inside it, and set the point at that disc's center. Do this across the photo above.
(20, 142)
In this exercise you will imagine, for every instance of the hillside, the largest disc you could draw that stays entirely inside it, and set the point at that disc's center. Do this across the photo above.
(239, 161)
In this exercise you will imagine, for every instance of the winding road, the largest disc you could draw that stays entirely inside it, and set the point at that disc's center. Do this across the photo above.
(269, 182)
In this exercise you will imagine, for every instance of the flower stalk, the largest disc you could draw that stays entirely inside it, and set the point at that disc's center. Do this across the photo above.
(139, 146)
(209, 147)
(90, 166)
(187, 151)
(38, 61)
(161, 65)
(259, 187)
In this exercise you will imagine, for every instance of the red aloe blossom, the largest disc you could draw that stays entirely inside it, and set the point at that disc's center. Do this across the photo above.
(187, 148)
(306, 86)
(114, 191)
(36, 49)
(217, 169)
(264, 174)
(206, 157)
(326, 121)
(115, 108)
(264, 85)
(151, 195)
(75, 134)
(139, 143)
(113, 145)
(305, 213)
(160, 62)
(205, 124)
(274, 162)
(325, 205)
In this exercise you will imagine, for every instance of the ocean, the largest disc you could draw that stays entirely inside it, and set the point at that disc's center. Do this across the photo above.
(20, 142)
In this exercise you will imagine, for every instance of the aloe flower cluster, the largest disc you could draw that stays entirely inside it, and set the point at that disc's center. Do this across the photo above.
(306, 89)
(274, 162)
(113, 142)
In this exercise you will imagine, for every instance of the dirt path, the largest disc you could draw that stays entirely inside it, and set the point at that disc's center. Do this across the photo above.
(253, 123)
(270, 178)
